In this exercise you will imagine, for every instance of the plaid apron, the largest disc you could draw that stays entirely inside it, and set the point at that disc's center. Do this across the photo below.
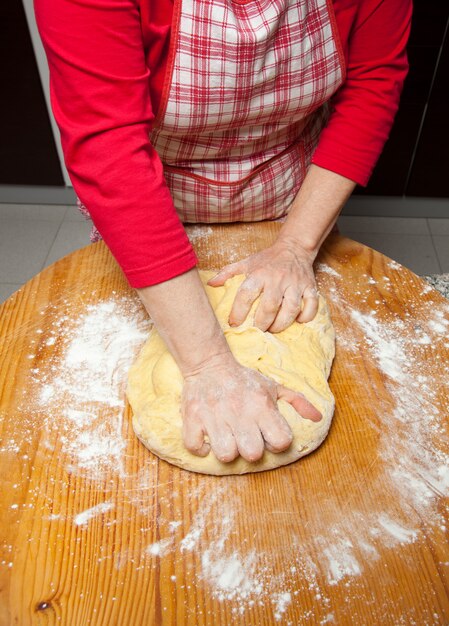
(245, 99)
(244, 104)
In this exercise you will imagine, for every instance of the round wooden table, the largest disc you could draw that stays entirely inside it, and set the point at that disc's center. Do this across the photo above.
(96, 530)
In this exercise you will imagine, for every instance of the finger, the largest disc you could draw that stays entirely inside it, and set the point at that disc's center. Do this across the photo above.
(227, 272)
(299, 402)
(287, 314)
(275, 430)
(310, 305)
(268, 309)
(246, 295)
(193, 436)
(250, 442)
(222, 440)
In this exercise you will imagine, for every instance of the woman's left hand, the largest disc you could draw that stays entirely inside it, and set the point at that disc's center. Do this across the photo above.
(283, 274)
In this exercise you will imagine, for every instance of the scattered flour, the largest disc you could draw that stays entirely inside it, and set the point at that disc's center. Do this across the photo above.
(438, 327)
(230, 577)
(327, 269)
(414, 444)
(397, 531)
(81, 405)
(82, 518)
(389, 354)
(282, 602)
(341, 562)
(83, 396)
(159, 548)
(196, 233)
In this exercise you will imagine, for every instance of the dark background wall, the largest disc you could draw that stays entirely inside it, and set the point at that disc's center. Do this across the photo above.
(415, 161)
(28, 153)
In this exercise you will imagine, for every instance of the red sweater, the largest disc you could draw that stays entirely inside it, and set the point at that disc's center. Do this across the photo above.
(107, 61)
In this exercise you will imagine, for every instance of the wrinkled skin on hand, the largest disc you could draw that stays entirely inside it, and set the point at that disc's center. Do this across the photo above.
(236, 407)
(283, 274)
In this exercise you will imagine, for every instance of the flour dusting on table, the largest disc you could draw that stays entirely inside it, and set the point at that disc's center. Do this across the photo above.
(196, 233)
(81, 519)
(83, 398)
(414, 443)
(80, 405)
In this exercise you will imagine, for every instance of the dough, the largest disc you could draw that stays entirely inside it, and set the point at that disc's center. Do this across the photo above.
(299, 357)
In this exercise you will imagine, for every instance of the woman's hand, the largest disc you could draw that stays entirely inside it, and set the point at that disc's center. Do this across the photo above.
(283, 274)
(236, 407)
(231, 404)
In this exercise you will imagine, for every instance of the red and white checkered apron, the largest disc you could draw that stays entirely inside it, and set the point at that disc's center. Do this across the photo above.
(243, 106)
(244, 103)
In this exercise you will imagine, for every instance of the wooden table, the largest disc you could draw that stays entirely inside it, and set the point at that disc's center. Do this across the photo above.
(96, 530)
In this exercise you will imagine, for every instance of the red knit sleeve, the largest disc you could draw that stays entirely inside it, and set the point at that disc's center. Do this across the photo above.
(99, 90)
(363, 109)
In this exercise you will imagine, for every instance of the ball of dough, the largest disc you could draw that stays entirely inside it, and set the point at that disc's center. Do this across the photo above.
(299, 357)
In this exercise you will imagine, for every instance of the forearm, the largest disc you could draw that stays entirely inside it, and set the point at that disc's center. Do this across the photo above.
(181, 312)
(315, 209)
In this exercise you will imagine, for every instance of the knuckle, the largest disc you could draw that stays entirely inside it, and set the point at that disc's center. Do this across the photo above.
(246, 296)
(251, 283)
(292, 308)
(290, 303)
(248, 292)
(311, 291)
(191, 416)
(193, 446)
(193, 407)
(268, 402)
(271, 305)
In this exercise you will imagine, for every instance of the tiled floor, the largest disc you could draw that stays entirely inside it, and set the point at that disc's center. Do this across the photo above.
(34, 236)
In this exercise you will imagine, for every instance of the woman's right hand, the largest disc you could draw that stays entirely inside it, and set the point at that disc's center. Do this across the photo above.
(236, 408)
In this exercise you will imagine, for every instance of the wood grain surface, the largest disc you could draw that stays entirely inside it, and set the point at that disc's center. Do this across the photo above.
(355, 533)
